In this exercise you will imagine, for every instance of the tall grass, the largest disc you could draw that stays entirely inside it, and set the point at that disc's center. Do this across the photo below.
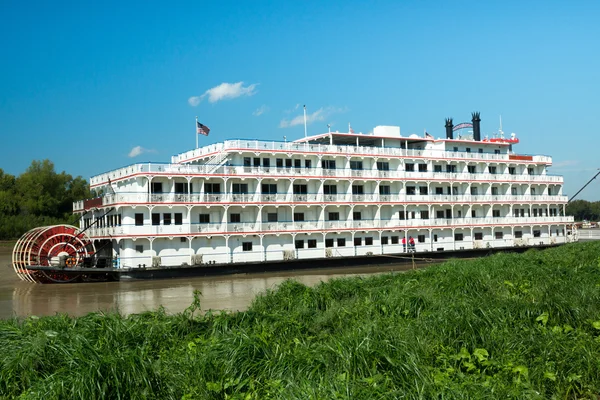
(516, 326)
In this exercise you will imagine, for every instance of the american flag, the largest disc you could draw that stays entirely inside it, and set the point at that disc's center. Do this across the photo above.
(202, 129)
(427, 135)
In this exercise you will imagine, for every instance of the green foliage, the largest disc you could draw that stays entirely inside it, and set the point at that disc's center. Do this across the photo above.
(507, 326)
(584, 210)
(39, 196)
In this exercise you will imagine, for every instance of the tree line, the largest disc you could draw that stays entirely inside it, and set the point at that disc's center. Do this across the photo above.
(584, 210)
(39, 196)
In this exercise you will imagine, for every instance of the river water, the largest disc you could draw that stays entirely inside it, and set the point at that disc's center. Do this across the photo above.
(230, 292)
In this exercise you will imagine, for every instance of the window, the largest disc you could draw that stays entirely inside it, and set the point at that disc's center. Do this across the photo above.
(266, 162)
(235, 218)
(139, 248)
(357, 241)
(239, 188)
(181, 187)
(384, 240)
(537, 233)
(178, 218)
(473, 214)
(439, 190)
(421, 238)
(155, 218)
(156, 187)
(212, 188)
(458, 237)
(328, 242)
(401, 215)
(204, 218)
(513, 191)
(357, 189)
(471, 169)
(384, 189)
(268, 188)
(410, 190)
(328, 164)
(167, 218)
(511, 170)
(499, 235)
(455, 149)
(395, 239)
(439, 214)
(139, 219)
(518, 234)
(299, 244)
(300, 189)
(247, 246)
(423, 190)
(368, 241)
(279, 162)
(496, 213)
(494, 191)
(478, 235)
(383, 166)
(297, 163)
(271, 217)
(356, 165)
(437, 168)
(307, 164)
(333, 216)
(424, 214)
(496, 151)
(474, 190)
(312, 243)
(341, 242)
(422, 167)
(329, 189)
(288, 163)
(247, 161)
(530, 171)
(492, 169)
(468, 149)
(451, 168)
(298, 216)
(435, 238)
(409, 167)
(356, 215)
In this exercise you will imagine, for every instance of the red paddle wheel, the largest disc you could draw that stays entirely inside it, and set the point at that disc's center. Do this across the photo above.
(60, 247)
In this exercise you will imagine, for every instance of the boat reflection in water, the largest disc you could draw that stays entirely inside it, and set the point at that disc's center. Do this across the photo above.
(233, 292)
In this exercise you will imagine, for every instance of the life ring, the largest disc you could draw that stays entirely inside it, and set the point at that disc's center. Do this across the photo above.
(71, 261)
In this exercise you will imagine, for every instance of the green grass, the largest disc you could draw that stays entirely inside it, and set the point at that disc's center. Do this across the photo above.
(507, 326)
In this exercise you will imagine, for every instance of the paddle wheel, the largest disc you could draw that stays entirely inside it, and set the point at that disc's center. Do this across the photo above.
(57, 249)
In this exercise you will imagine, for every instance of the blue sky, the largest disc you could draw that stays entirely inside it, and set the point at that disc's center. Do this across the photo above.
(86, 84)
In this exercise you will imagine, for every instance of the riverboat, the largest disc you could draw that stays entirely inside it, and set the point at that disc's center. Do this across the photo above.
(330, 198)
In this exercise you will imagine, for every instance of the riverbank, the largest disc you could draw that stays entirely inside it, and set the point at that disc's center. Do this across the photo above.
(510, 325)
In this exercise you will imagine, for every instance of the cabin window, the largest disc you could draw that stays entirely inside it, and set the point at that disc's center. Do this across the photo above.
(424, 214)
(333, 216)
(537, 233)
(204, 218)
(212, 188)
(247, 246)
(530, 171)
(455, 149)
(513, 191)
(410, 190)
(473, 214)
(288, 163)
(235, 218)
(478, 236)
(357, 241)
(480, 151)
(312, 243)
(383, 166)
(384, 189)
(494, 191)
(473, 190)
(439, 190)
(239, 188)
(384, 240)
(328, 242)
(422, 167)
(167, 218)
(266, 162)
(421, 238)
(299, 244)
(271, 217)
(437, 168)
(279, 162)
(329, 189)
(267, 188)
(178, 218)
(307, 164)
(181, 187)
(468, 149)
(471, 169)
(439, 214)
(298, 217)
(368, 241)
(139, 248)
(511, 170)
(341, 242)
(356, 165)
(356, 215)
(435, 237)
(451, 168)
(256, 162)
(395, 239)
(499, 235)
(357, 189)
(496, 213)
(297, 163)
(496, 151)
(458, 237)
(423, 190)
(409, 167)
(139, 219)
(300, 189)
(518, 234)
(401, 215)
(328, 164)
(492, 169)
(155, 218)
(156, 187)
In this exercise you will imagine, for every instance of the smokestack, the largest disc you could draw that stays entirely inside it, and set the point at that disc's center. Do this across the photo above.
(476, 127)
(449, 126)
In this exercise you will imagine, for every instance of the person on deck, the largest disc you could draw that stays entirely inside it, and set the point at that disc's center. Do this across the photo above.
(404, 243)
(411, 243)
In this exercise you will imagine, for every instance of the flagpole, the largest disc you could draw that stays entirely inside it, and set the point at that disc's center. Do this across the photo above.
(196, 131)
(305, 120)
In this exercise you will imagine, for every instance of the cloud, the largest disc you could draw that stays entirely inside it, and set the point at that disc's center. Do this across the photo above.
(137, 150)
(566, 163)
(260, 110)
(318, 115)
(224, 91)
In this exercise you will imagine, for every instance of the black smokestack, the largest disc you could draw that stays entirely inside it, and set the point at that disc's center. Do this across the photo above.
(476, 127)
(449, 126)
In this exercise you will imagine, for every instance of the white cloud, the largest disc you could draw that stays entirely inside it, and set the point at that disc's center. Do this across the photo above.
(318, 115)
(566, 163)
(137, 150)
(260, 110)
(224, 91)
(194, 100)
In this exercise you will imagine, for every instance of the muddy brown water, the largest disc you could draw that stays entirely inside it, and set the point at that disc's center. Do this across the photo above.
(229, 292)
